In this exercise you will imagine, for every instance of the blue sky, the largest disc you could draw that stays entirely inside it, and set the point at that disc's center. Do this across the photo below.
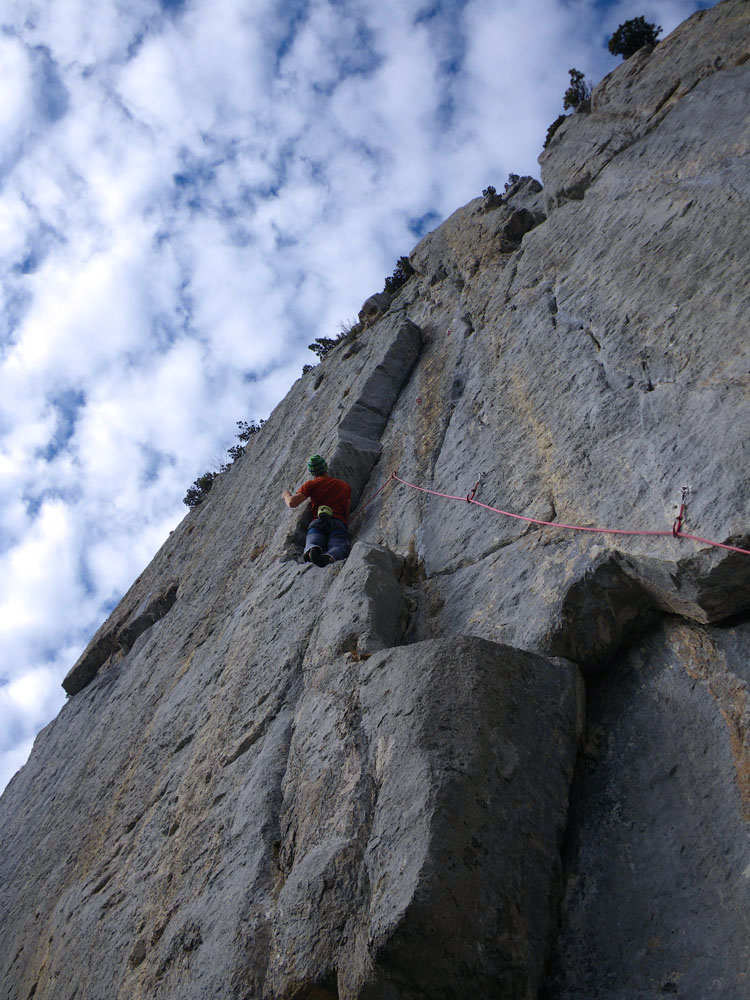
(190, 193)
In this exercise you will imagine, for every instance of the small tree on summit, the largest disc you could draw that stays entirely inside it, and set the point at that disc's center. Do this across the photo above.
(322, 345)
(577, 97)
(633, 35)
(553, 128)
(199, 490)
(401, 274)
(578, 94)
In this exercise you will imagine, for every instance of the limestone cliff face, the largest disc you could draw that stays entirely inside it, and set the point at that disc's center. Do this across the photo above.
(482, 757)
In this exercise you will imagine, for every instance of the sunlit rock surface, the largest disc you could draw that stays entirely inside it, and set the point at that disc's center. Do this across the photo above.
(482, 757)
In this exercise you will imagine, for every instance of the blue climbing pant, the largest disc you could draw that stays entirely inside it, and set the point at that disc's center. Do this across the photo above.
(330, 535)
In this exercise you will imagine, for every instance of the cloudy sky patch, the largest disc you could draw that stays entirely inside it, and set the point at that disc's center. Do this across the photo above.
(190, 193)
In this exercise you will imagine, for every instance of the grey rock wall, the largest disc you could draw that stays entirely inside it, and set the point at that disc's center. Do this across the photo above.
(412, 785)
(376, 780)
(640, 95)
(662, 798)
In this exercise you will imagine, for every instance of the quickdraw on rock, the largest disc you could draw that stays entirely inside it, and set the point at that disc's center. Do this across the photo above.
(677, 525)
(472, 492)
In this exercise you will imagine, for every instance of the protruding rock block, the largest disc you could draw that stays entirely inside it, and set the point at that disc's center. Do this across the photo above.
(373, 308)
(616, 596)
(118, 638)
(364, 610)
(358, 445)
(425, 801)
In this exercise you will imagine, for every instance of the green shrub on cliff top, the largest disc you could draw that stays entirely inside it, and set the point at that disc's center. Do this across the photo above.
(553, 128)
(203, 484)
(401, 274)
(578, 94)
(633, 35)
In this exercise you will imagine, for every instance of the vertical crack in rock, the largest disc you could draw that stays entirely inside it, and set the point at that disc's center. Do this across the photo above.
(456, 391)
(262, 901)
(327, 802)
(655, 855)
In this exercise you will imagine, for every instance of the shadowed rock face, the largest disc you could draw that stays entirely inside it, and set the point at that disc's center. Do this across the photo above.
(661, 799)
(284, 783)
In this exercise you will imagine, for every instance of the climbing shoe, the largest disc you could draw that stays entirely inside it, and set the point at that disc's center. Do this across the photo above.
(316, 555)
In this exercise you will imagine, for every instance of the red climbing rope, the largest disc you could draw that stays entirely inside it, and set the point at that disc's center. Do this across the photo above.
(675, 531)
(375, 495)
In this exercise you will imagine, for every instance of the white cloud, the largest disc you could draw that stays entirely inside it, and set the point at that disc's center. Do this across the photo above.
(40, 578)
(16, 87)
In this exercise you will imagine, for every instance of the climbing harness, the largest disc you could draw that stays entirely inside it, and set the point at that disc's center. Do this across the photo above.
(675, 531)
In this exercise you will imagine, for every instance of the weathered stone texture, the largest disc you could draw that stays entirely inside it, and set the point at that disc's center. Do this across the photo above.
(641, 93)
(413, 785)
(662, 799)
(373, 308)
(284, 783)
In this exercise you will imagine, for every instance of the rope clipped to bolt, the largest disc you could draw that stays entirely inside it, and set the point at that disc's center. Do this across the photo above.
(472, 492)
(677, 526)
(675, 531)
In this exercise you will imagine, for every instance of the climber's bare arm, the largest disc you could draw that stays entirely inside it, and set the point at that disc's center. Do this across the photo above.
(293, 500)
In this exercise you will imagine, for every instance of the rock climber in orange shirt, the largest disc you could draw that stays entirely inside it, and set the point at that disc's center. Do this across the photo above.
(328, 535)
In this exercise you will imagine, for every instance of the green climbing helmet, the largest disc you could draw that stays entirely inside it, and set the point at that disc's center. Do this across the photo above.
(317, 465)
